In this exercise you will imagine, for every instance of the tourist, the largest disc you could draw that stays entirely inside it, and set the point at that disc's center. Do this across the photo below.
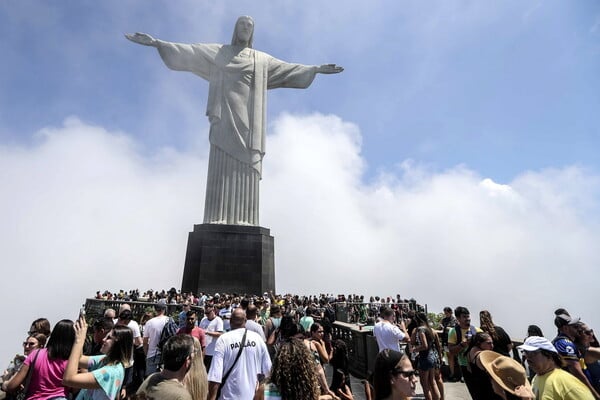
(191, 328)
(534, 330)
(105, 373)
(251, 318)
(315, 344)
(502, 342)
(47, 364)
(423, 342)
(588, 346)
(136, 372)
(446, 323)
(196, 381)
(568, 332)
(292, 376)
(40, 325)
(340, 363)
(271, 326)
(240, 356)
(481, 388)
(178, 354)
(459, 338)
(32, 342)
(509, 379)
(393, 376)
(212, 325)
(551, 382)
(389, 334)
(102, 326)
(152, 332)
(183, 315)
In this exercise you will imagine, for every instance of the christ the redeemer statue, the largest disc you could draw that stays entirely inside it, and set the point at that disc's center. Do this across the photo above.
(238, 77)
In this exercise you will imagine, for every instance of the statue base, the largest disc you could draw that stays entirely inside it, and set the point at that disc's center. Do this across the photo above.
(229, 259)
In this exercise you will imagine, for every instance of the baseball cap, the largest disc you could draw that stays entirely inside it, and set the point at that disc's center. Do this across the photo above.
(564, 319)
(534, 343)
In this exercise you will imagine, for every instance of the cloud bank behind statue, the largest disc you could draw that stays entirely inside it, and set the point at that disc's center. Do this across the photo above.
(90, 211)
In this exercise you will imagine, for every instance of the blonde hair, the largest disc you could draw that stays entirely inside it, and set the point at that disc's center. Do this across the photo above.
(196, 381)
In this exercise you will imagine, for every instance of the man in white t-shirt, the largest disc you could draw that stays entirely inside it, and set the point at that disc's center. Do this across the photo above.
(213, 328)
(388, 333)
(251, 324)
(253, 361)
(152, 332)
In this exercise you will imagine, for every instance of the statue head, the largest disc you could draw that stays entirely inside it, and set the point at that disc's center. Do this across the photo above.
(243, 34)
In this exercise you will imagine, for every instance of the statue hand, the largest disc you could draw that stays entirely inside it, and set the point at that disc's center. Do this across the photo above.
(141, 38)
(329, 69)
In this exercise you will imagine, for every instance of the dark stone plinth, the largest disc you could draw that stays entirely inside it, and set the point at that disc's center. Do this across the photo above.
(230, 259)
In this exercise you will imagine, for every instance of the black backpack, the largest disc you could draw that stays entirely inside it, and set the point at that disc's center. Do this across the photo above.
(168, 331)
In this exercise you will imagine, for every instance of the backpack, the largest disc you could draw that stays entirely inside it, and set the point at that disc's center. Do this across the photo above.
(168, 331)
(471, 332)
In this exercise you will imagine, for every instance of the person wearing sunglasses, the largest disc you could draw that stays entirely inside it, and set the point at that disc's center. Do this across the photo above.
(588, 346)
(393, 376)
(34, 341)
(551, 382)
(46, 365)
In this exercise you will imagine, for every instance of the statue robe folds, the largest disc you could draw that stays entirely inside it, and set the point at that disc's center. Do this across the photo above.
(237, 104)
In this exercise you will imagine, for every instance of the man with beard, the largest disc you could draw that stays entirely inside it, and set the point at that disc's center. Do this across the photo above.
(459, 339)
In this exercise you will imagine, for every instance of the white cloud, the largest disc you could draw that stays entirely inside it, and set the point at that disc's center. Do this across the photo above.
(84, 210)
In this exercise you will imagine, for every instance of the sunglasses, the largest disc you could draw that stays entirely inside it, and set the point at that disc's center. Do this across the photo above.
(406, 374)
(29, 344)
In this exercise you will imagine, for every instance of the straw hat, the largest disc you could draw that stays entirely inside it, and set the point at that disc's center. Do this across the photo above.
(507, 373)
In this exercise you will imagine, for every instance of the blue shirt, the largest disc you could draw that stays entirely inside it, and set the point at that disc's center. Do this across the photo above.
(109, 377)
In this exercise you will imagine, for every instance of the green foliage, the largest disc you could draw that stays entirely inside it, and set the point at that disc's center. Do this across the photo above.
(434, 319)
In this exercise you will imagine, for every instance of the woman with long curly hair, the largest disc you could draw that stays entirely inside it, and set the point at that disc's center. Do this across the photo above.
(293, 375)
(502, 342)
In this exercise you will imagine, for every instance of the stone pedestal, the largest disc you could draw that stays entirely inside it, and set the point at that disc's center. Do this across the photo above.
(229, 258)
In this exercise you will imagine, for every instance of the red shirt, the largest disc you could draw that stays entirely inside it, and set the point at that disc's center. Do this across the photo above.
(196, 332)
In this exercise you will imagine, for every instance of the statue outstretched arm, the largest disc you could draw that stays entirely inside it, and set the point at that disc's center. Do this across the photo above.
(143, 39)
(329, 69)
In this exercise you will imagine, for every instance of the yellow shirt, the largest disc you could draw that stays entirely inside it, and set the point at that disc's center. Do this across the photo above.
(560, 385)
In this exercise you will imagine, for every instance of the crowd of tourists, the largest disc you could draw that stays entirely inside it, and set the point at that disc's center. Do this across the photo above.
(225, 346)
(566, 367)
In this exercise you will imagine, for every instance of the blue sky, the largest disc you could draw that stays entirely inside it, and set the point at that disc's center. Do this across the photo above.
(501, 88)
(459, 145)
